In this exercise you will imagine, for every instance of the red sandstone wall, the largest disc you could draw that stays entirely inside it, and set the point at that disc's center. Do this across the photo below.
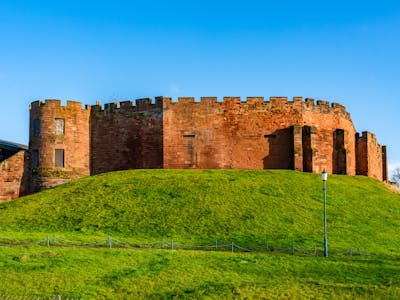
(326, 120)
(13, 180)
(126, 137)
(362, 154)
(229, 134)
(74, 141)
(371, 159)
(255, 134)
(375, 160)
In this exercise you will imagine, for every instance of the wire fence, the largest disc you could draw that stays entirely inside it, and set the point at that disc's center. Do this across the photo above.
(169, 244)
(58, 297)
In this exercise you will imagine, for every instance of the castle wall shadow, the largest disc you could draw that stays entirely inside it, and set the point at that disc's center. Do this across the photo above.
(281, 149)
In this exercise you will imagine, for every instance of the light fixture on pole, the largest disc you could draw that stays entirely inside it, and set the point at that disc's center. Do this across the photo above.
(324, 179)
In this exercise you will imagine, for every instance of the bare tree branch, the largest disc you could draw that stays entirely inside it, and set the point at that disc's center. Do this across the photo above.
(396, 175)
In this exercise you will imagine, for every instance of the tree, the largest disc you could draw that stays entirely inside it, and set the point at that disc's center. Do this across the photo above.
(396, 175)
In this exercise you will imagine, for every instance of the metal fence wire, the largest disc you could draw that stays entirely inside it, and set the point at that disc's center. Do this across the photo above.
(164, 244)
(12, 297)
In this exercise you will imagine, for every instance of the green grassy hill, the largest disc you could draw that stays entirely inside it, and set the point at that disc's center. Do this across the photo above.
(249, 208)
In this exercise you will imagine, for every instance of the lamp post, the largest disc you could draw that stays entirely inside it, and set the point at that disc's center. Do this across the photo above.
(324, 179)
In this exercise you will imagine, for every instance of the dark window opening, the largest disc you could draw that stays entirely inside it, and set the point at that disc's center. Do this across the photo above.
(307, 150)
(36, 127)
(269, 136)
(59, 161)
(35, 159)
(339, 153)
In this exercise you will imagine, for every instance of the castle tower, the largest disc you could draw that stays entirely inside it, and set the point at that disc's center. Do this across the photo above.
(371, 156)
(58, 142)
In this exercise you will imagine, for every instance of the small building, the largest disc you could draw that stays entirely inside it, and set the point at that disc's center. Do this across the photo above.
(13, 170)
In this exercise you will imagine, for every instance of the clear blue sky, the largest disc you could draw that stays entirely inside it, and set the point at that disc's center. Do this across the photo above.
(341, 51)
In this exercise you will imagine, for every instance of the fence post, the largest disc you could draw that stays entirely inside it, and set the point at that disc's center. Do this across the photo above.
(109, 242)
(292, 247)
(172, 244)
(48, 242)
(216, 245)
(232, 247)
(55, 239)
(163, 243)
(315, 250)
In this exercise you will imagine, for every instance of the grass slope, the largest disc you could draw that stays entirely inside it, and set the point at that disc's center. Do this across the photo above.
(247, 207)
(128, 274)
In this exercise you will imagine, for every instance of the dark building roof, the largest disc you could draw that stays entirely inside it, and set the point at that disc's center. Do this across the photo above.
(12, 146)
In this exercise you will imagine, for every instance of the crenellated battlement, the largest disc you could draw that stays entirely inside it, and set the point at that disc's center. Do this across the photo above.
(56, 103)
(148, 104)
(140, 105)
(253, 100)
(368, 137)
(308, 104)
(278, 101)
(208, 100)
(323, 103)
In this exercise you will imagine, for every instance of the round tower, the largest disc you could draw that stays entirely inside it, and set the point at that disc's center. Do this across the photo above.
(58, 143)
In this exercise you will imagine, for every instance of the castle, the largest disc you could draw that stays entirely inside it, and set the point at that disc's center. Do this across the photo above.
(70, 142)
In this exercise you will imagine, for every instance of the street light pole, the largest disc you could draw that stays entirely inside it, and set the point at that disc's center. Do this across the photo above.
(324, 179)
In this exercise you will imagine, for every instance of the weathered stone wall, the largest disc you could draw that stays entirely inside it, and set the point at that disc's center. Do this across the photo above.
(229, 134)
(332, 137)
(256, 134)
(74, 141)
(13, 176)
(371, 157)
(126, 137)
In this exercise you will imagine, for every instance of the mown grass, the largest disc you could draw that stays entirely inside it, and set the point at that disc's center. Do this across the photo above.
(249, 208)
(157, 274)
